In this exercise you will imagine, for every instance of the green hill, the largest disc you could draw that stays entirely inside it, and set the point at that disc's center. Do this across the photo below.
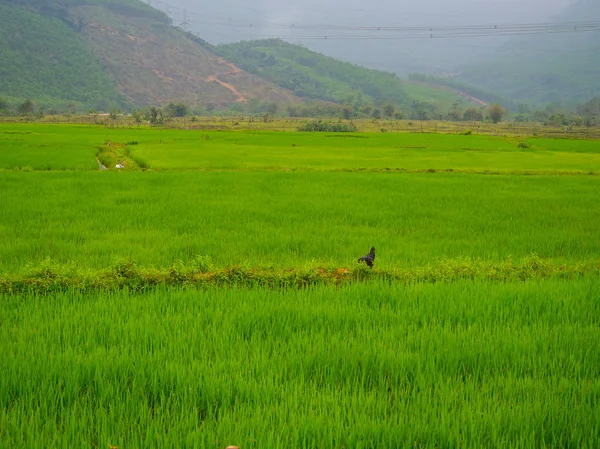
(542, 69)
(107, 54)
(114, 53)
(42, 57)
(315, 76)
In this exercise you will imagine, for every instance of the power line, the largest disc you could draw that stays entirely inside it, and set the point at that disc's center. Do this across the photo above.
(572, 26)
(430, 34)
(300, 32)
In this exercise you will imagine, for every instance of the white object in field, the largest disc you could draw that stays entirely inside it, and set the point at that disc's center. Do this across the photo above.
(120, 166)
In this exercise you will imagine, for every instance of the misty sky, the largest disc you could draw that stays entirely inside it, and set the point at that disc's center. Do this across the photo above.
(234, 20)
(212, 15)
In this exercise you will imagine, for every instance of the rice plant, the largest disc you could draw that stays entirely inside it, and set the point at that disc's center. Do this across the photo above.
(367, 365)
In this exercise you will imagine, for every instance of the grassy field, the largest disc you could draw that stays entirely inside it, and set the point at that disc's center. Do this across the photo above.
(256, 150)
(51, 147)
(369, 365)
(161, 308)
(289, 219)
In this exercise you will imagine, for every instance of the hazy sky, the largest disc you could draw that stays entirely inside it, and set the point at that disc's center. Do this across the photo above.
(361, 12)
(234, 20)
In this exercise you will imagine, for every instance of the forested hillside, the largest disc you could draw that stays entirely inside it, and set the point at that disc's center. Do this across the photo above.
(312, 75)
(106, 54)
(42, 57)
(315, 76)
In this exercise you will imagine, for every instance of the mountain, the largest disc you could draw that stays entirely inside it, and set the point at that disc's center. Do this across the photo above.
(114, 53)
(379, 34)
(312, 75)
(124, 54)
(41, 57)
(543, 69)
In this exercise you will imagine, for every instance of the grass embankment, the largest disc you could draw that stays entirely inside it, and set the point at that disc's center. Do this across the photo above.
(47, 277)
(367, 365)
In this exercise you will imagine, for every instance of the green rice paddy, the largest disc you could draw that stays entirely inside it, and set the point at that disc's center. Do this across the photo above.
(208, 293)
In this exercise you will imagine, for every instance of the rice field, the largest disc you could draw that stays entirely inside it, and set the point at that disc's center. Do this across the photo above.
(52, 147)
(368, 365)
(214, 297)
(288, 219)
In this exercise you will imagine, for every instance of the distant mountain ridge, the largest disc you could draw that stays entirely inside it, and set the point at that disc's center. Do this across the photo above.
(124, 54)
(114, 54)
(547, 68)
(312, 75)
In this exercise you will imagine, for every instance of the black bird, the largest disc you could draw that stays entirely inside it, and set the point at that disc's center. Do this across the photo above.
(369, 258)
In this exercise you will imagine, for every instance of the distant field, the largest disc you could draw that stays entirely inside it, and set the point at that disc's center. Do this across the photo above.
(330, 151)
(215, 298)
(43, 147)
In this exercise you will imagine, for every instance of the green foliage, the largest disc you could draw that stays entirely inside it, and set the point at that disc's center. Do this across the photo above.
(60, 8)
(176, 110)
(26, 108)
(420, 110)
(388, 110)
(496, 113)
(47, 276)
(4, 106)
(153, 115)
(523, 145)
(43, 57)
(481, 94)
(311, 75)
(321, 126)
(473, 115)
(590, 110)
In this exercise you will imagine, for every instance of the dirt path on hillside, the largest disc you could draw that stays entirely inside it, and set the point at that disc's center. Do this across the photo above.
(234, 70)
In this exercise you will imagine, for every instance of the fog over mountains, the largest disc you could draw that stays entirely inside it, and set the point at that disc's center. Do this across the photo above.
(337, 28)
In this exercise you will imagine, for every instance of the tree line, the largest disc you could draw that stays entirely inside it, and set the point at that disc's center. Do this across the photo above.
(587, 114)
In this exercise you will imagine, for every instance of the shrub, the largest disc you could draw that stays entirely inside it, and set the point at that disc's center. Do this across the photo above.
(473, 115)
(26, 108)
(176, 110)
(321, 126)
(496, 113)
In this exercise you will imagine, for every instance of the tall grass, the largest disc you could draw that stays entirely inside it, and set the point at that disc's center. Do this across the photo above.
(289, 219)
(367, 365)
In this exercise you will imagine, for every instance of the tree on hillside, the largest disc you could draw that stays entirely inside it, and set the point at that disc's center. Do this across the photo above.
(4, 107)
(421, 110)
(153, 115)
(496, 113)
(456, 111)
(389, 109)
(473, 115)
(347, 112)
(177, 110)
(26, 108)
(589, 110)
